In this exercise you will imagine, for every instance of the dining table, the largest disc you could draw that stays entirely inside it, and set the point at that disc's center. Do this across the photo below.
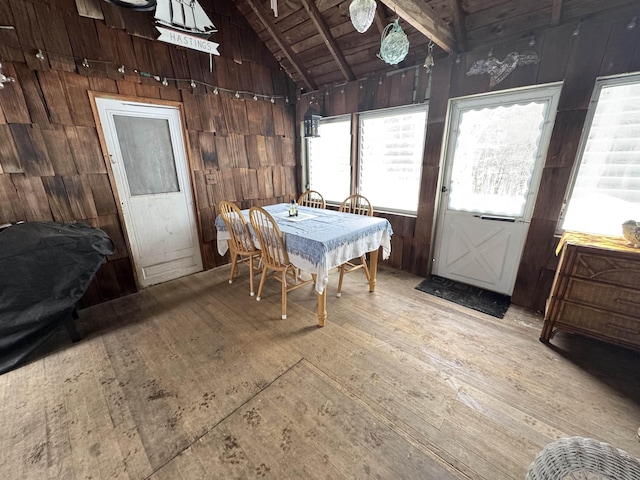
(318, 240)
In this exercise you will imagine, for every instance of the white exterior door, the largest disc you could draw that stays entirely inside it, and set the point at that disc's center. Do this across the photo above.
(497, 144)
(149, 164)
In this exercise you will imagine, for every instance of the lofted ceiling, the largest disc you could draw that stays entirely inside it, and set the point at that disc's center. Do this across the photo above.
(317, 45)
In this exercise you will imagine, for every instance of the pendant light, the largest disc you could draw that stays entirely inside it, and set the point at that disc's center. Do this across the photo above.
(394, 44)
(311, 121)
(362, 13)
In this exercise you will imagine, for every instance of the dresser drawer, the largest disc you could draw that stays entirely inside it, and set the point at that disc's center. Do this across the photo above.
(620, 270)
(604, 296)
(602, 324)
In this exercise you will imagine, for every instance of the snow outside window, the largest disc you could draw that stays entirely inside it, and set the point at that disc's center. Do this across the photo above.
(606, 188)
(391, 152)
(329, 158)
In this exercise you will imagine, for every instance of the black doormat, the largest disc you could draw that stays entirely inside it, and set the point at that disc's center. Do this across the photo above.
(484, 301)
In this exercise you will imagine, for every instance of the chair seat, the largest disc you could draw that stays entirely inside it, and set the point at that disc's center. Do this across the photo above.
(275, 260)
(241, 246)
(579, 458)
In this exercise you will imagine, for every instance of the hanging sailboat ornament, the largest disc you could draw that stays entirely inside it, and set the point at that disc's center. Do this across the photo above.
(394, 44)
(185, 23)
(141, 5)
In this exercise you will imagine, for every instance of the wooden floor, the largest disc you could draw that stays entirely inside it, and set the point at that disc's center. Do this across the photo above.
(194, 379)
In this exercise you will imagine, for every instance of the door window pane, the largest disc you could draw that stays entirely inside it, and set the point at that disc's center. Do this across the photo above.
(391, 152)
(495, 153)
(147, 153)
(606, 191)
(329, 157)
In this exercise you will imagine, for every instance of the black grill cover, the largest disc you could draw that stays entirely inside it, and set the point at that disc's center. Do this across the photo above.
(45, 267)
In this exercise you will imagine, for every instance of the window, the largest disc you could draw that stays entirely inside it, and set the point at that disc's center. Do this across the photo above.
(606, 189)
(391, 151)
(495, 152)
(329, 162)
(389, 165)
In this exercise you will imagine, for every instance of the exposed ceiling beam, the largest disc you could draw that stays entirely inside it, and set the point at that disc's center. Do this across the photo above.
(265, 18)
(458, 25)
(380, 19)
(556, 10)
(422, 17)
(327, 38)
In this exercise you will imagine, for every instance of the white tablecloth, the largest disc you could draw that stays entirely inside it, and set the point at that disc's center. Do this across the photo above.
(319, 240)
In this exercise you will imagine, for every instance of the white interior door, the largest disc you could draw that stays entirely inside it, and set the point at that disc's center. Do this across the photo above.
(496, 147)
(148, 159)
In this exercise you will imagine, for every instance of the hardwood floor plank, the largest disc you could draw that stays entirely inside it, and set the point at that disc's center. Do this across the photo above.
(195, 379)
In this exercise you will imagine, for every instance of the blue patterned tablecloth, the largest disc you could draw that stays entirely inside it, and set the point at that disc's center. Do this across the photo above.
(319, 240)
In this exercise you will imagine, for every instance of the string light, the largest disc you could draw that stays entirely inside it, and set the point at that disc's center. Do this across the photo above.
(86, 63)
(148, 75)
(4, 79)
(576, 32)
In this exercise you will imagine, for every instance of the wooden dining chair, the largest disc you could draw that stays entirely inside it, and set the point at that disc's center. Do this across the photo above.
(312, 198)
(241, 246)
(274, 256)
(359, 205)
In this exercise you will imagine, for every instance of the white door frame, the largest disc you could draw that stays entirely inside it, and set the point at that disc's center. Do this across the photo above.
(548, 91)
(188, 177)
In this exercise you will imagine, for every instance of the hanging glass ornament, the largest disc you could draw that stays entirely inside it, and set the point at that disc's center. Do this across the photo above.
(394, 44)
(362, 13)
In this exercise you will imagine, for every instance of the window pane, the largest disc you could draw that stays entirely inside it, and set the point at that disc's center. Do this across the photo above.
(147, 153)
(606, 192)
(329, 159)
(391, 151)
(495, 153)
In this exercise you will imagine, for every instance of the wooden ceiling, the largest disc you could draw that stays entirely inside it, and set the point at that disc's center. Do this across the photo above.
(317, 45)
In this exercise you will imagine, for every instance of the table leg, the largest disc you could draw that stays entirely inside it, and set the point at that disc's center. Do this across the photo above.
(373, 269)
(322, 307)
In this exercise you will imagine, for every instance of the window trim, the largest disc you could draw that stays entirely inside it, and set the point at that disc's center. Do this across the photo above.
(305, 145)
(355, 119)
(600, 82)
(385, 112)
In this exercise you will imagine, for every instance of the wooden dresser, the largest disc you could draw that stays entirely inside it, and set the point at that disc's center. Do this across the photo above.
(596, 290)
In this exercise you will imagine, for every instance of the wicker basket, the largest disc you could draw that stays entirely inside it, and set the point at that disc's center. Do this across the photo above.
(583, 458)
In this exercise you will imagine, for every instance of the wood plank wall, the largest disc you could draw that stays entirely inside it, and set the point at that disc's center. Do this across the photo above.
(604, 47)
(51, 164)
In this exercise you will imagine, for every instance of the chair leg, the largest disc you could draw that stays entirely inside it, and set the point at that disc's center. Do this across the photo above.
(284, 294)
(234, 267)
(252, 292)
(264, 275)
